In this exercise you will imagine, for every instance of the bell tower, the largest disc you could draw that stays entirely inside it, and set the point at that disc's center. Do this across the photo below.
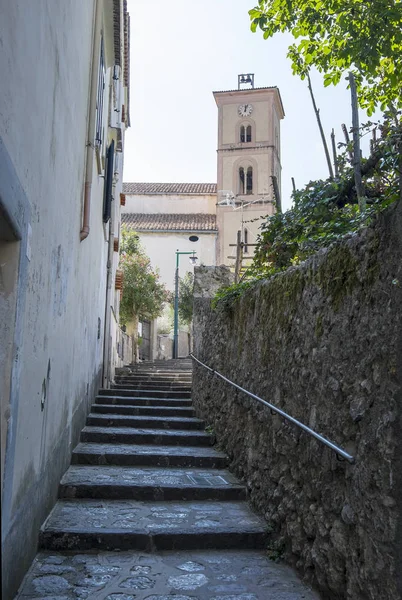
(248, 156)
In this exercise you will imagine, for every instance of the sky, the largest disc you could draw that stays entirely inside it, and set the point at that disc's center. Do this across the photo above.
(183, 50)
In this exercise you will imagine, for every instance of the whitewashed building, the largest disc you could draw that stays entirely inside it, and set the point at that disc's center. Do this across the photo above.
(64, 71)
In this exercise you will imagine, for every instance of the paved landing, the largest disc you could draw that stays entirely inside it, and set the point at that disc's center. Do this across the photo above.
(197, 575)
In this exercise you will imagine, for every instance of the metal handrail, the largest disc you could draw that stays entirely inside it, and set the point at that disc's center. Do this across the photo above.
(313, 433)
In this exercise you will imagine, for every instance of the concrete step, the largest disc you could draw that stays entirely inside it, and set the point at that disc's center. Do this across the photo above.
(124, 391)
(150, 483)
(132, 435)
(130, 401)
(170, 411)
(159, 456)
(110, 524)
(158, 422)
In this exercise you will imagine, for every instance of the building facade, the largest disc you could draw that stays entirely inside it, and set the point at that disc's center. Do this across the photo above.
(64, 69)
(248, 160)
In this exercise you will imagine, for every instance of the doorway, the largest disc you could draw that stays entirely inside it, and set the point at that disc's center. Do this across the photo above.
(9, 261)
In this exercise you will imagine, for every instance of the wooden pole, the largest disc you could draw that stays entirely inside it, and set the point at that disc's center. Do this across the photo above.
(334, 153)
(277, 193)
(238, 257)
(324, 141)
(293, 184)
(347, 140)
(356, 144)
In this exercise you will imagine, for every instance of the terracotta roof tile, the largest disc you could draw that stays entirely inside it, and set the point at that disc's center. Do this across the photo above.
(117, 32)
(169, 188)
(166, 222)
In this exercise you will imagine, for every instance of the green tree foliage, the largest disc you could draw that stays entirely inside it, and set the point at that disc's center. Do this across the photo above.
(143, 293)
(186, 287)
(337, 36)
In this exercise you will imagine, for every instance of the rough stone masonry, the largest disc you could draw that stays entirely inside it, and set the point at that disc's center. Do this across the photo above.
(322, 341)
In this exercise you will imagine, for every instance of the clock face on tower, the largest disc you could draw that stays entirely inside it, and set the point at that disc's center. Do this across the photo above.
(245, 110)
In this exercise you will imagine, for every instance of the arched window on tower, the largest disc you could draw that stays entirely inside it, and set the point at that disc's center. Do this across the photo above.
(249, 181)
(248, 133)
(242, 134)
(241, 181)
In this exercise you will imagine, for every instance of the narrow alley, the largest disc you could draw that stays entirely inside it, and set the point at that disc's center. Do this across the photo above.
(147, 509)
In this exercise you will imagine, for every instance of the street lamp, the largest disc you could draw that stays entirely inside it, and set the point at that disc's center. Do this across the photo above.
(193, 260)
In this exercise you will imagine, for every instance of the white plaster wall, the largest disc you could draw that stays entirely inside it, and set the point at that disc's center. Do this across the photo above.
(45, 62)
(161, 249)
(170, 203)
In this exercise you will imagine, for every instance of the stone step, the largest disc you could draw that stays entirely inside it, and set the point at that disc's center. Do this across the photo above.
(169, 375)
(124, 391)
(177, 575)
(132, 435)
(156, 373)
(148, 385)
(171, 389)
(159, 456)
(149, 526)
(129, 401)
(170, 411)
(143, 370)
(150, 483)
(159, 422)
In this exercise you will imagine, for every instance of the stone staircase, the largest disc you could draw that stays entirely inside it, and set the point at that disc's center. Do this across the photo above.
(145, 477)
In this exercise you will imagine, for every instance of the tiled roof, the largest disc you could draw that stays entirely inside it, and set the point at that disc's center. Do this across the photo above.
(117, 32)
(166, 222)
(169, 188)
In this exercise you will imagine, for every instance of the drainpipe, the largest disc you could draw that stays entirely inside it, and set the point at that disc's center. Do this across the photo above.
(90, 126)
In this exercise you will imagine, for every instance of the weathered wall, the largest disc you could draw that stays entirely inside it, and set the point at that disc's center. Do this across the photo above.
(57, 350)
(323, 342)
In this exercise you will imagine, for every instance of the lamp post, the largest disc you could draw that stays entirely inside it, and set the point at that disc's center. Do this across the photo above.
(193, 260)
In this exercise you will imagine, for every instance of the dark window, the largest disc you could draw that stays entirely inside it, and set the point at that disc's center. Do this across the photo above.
(100, 96)
(108, 189)
(241, 180)
(249, 183)
(242, 134)
(248, 134)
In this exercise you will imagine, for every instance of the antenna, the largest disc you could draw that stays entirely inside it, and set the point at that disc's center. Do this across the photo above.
(226, 198)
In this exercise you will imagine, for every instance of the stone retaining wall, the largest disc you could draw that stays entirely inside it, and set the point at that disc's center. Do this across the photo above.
(323, 342)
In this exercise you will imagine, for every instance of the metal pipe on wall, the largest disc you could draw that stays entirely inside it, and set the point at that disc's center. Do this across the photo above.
(90, 128)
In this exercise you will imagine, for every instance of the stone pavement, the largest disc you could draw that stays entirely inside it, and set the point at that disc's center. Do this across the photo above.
(148, 510)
